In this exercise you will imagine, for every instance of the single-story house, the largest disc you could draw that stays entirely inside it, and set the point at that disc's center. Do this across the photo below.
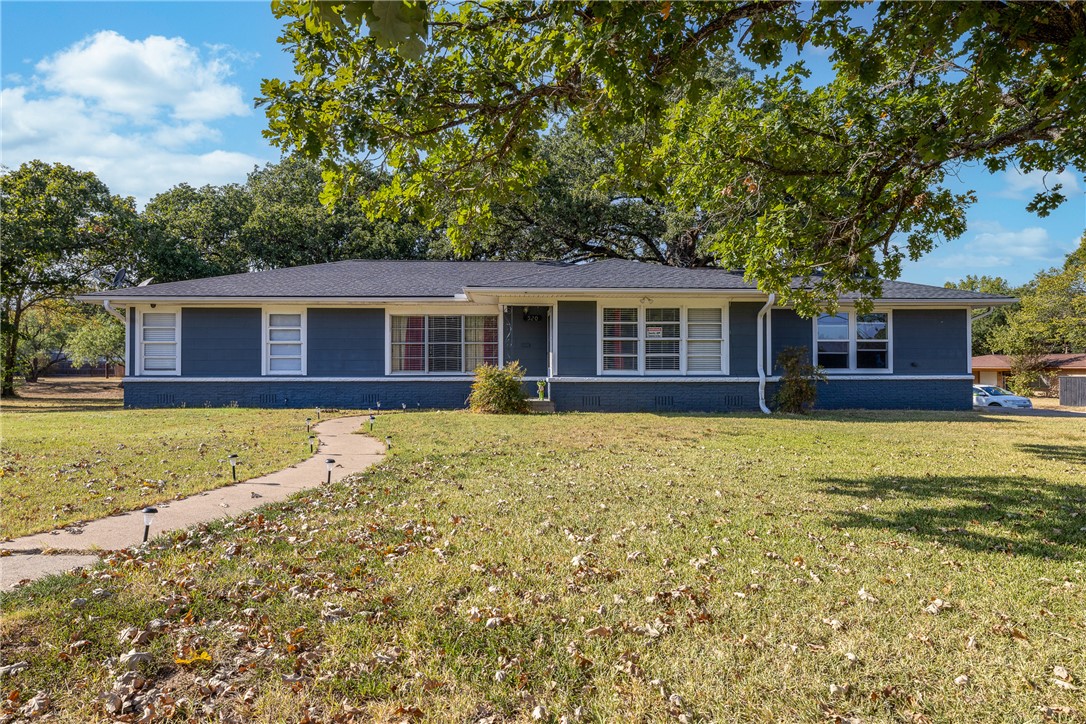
(995, 369)
(607, 335)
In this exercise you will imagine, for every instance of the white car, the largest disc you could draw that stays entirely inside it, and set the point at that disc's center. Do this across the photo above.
(989, 396)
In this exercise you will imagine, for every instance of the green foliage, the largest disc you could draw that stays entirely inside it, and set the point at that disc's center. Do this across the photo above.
(1026, 370)
(798, 389)
(497, 390)
(59, 226)
(100, 337)
(45, 336)
(835, 185)
(1051, 316)
(986, 330)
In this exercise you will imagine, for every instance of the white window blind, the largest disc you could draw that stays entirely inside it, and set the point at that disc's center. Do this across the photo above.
(285, 345)
(620, 339)
(704, 340)
(158, 336)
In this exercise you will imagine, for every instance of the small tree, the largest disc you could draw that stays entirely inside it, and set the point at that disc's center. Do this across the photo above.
(497, 390)
(1026, 370)
(100, 338)
(798, 388)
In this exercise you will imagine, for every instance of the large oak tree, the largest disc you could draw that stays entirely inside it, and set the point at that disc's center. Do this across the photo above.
(835, 184)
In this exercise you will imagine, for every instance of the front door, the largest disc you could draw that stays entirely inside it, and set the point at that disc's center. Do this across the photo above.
(527, 332)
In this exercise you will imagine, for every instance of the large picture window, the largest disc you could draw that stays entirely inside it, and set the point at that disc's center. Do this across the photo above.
(443, 343)
(850, 341)
(159, 338)
(663, 340)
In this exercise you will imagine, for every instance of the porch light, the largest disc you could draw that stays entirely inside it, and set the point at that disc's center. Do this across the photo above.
(311, 438)
(330, 463)
(233, 466)
(148, 516)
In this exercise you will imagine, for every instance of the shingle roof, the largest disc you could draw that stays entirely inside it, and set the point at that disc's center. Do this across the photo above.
(1052, 361)
(363, 279)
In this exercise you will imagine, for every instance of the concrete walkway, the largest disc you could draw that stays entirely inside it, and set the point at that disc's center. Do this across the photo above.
(77, 547)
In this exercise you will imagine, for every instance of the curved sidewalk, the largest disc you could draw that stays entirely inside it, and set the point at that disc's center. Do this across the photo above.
(351, 452)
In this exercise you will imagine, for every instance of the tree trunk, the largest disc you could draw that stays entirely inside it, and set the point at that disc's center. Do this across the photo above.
(11, 350)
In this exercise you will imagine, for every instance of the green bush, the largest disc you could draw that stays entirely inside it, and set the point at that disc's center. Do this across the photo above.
(798, 388)
(497, 390)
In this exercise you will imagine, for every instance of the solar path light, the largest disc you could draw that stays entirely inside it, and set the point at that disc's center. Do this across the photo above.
(330, 463)
(233, 466)
(310, 443)
(373, 421)
(148, 516)
(388, 442)
(308, 423)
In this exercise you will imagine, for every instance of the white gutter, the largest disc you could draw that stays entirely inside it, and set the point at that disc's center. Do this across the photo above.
(760, 323)
(109, 308)
(982, 316)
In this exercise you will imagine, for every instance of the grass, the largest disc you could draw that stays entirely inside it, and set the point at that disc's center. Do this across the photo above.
(611, 568)
(68, 460)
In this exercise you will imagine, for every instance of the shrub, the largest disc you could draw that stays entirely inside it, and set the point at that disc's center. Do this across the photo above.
(497, 390)
(798, 387)
(1026, 372)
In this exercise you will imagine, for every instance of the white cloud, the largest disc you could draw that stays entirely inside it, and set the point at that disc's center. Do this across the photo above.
(1020, 185)
(141, 77)
(139, 113)
(995, 247)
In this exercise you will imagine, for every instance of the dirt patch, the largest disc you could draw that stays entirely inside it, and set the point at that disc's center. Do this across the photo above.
(84, 388)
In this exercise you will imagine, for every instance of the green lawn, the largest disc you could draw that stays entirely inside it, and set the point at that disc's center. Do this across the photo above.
(873, 567)
(92, 458)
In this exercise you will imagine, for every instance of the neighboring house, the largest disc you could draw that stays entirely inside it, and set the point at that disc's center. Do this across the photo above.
(995, 369)
(607, 335)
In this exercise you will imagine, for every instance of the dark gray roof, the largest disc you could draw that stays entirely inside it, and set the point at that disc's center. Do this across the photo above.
(359, 279)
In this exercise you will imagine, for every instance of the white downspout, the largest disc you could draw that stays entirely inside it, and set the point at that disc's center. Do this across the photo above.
(761, 351)
(109, 308)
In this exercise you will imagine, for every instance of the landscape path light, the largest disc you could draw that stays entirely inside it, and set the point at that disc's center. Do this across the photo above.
(308, 423)
(148, 516)
(330, 463)
(373, 421)
(404, 406)
(388, 442)
(318, 413)
(310, 443)
(378, 404)
(233, 466)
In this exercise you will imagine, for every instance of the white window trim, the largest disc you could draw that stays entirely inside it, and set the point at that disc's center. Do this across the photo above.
(852, 369)
(462, 313)
(265, 342)
(682, 306)
(156, 309)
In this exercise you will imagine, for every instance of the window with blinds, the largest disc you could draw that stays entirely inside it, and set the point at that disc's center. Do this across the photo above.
(443, 343)
(704, 340)
(620, 339)
(285, 344)
(158, 343)
(663, 340)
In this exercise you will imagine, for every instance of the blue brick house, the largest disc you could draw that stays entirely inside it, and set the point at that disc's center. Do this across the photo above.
(608, 335)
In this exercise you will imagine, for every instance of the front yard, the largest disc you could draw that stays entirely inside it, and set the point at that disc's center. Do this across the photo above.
(64, 460)
(866, 566)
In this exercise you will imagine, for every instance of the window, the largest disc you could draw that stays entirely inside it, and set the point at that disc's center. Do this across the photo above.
(158, 343)
(620, 339)
(443, 343)
(705, 340)
(284, 343)
(663, 340)
(850, 341)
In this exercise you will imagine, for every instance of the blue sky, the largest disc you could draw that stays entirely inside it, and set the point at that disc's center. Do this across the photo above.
(151, 94)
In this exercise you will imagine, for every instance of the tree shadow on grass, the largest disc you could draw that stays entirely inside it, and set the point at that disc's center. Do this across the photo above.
(1074, 454)
(1012, 515)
